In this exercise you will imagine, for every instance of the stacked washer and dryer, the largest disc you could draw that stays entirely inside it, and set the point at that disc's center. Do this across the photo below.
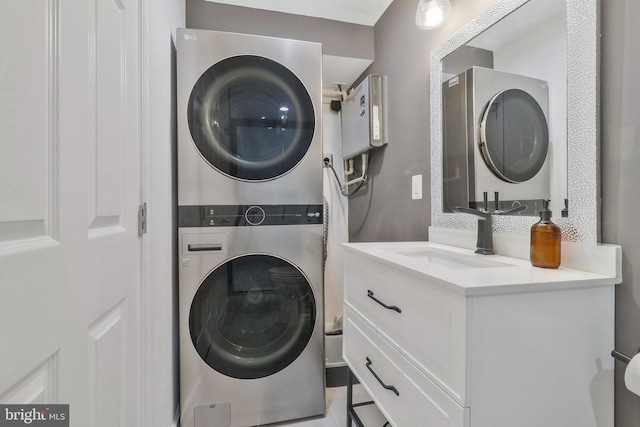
(250, 229)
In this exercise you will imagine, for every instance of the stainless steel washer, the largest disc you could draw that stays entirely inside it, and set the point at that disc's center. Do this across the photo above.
(249, 119)
(250, 314)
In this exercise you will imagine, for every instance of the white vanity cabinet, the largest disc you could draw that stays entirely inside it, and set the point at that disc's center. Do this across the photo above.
(479, 344)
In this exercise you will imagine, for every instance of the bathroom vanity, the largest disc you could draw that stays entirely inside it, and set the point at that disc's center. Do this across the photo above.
(440, 336)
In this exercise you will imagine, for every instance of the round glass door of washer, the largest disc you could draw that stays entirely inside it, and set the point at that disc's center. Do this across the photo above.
(514, 136)
(251, 118)
(252, 316)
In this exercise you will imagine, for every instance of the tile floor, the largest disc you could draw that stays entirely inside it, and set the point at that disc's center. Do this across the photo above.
(336, 415)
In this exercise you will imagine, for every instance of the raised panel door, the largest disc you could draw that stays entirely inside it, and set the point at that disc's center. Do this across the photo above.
(70, 188)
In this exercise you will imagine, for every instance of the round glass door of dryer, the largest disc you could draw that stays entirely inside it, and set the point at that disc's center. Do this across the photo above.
(252, 316)
(251, 118)
(514, 136)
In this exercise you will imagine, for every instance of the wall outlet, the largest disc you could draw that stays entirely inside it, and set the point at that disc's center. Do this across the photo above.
(327, 160)
(416, 187)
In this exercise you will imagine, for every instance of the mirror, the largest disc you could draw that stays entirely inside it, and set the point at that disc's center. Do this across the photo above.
(549, 41)
(510, 83)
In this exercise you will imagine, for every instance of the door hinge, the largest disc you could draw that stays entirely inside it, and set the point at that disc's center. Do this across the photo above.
(142, 219)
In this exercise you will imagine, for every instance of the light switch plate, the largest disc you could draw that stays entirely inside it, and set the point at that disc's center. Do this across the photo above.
(416, 187)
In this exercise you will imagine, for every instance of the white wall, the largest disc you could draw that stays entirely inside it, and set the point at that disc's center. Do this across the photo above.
(337, 218)
(160, 348)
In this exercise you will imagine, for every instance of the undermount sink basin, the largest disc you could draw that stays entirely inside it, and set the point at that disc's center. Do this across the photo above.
(447, 259)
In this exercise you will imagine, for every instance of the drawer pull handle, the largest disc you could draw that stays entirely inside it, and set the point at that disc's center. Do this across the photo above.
(200, 247)
(388, 387)
(388, 307)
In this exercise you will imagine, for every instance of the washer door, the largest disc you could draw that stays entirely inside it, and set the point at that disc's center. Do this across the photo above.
(514, 137)
(251, 118)
(252, 316)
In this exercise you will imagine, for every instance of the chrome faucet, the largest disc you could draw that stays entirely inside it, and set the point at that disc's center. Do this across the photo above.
(484, 243)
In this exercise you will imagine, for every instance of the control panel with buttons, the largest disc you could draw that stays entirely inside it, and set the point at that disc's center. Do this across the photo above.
(248, 215)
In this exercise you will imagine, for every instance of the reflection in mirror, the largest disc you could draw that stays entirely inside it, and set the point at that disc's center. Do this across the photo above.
(504, 113)
(559, 47)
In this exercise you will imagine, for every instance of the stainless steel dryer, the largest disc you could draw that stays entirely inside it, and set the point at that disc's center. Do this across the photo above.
(250, 314)
(495, 139)
(249, 119)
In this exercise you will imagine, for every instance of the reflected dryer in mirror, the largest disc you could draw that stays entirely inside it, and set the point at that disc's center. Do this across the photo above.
(495, 140)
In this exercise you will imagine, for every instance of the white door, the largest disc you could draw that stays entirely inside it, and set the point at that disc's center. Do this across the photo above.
(69, 191)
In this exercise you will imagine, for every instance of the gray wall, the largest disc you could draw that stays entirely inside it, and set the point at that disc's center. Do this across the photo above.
(383, 210)
(337, 38)
(620, 112)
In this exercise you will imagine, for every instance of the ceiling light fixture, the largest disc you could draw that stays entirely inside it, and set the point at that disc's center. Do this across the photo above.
(432, 13)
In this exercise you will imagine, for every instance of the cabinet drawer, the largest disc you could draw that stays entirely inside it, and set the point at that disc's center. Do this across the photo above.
(426, 323)
(405, 395)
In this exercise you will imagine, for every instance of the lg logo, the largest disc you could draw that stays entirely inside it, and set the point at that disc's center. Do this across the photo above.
(190, 37)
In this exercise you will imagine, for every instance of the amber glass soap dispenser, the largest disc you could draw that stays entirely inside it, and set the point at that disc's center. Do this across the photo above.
(545, 240)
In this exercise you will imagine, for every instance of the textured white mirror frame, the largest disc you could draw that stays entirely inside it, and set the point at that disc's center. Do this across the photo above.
(583, 123)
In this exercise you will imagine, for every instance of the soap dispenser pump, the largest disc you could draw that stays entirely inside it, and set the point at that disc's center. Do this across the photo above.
(545, 240)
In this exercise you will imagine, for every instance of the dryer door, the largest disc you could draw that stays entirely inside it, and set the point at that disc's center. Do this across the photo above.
(514, 137)
(251, 118)
(252, 316)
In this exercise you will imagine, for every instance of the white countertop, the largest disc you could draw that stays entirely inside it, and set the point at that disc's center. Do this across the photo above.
(509, 276)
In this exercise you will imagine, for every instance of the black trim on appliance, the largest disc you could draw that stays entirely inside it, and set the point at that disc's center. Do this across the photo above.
(248, 215)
